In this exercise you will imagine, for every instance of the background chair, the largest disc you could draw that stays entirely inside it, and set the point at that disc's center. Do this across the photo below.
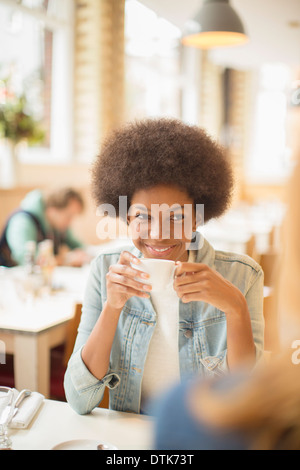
(69, 346)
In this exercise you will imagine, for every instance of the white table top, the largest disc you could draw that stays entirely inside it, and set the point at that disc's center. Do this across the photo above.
(56, 423)
(45, 311)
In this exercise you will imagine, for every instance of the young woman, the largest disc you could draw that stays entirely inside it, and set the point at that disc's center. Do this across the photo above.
(242, 412)
(214, 310)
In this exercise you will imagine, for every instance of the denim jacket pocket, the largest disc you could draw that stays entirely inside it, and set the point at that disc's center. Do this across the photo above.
(216, 365)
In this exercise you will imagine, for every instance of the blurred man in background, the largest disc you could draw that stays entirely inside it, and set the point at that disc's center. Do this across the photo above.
(44, 217)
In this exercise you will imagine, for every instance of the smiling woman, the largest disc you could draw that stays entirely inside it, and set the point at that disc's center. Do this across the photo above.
(157, 230)
(209, 320)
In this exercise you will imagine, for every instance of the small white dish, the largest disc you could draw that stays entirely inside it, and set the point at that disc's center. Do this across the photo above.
(83, 444)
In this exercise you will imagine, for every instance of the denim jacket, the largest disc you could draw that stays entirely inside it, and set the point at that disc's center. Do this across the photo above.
(202, 342)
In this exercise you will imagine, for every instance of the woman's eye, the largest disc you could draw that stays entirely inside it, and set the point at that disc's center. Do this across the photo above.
(142, 216)
(176, 217)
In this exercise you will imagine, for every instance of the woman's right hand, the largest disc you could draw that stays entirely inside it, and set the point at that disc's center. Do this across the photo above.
(122, 283)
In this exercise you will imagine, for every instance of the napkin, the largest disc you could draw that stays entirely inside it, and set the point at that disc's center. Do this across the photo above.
(27, 410)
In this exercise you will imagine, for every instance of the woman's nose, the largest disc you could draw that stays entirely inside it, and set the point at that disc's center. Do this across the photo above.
(159, 229)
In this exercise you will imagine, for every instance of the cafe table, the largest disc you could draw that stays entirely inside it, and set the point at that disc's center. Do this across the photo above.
(56, 424)
(30, 328)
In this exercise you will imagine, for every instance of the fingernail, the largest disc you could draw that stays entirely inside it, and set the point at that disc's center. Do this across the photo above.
(145, 275)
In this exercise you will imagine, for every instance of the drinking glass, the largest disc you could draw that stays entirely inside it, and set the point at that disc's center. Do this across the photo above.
(6, 411)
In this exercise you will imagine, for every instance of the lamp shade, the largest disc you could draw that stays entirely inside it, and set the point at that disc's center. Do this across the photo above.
(216, 25)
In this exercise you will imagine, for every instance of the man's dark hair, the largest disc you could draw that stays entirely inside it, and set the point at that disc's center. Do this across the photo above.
(60, 198)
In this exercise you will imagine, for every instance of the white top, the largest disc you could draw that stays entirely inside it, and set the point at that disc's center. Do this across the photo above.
(161, 368)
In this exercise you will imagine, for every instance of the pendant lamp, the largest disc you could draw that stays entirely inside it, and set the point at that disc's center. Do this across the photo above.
(216, 25)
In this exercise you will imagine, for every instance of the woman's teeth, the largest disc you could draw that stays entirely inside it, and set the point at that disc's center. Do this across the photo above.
(160, 250)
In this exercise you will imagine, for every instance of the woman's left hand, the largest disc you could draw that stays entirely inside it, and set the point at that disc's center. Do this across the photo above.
(198, 282)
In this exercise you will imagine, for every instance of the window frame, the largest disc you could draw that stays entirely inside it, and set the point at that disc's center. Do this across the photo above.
(284, 164)
(60, 150)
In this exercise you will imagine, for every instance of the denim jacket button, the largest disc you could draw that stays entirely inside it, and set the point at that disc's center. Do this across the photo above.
(188, 334)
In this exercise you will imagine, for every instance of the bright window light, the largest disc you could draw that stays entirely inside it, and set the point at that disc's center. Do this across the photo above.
(152, 63)
(146, 33)
(36, 57)
(269, 156)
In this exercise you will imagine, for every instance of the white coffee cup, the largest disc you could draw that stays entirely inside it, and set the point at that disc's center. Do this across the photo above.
(161, 272)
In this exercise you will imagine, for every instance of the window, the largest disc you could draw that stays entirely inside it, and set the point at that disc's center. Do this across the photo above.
(152, 64)
(269, 158)
(37, 58)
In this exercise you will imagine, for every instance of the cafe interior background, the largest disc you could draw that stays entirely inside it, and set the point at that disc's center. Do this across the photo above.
(88, 66)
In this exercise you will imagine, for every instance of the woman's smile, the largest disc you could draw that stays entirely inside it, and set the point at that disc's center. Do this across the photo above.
(160, 251)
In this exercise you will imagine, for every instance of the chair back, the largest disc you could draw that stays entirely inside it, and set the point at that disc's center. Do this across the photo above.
(69, 346)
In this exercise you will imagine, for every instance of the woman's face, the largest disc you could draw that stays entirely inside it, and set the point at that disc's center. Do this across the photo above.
(162, 220)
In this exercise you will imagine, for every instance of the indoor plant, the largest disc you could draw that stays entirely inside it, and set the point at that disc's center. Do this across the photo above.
(17, 123)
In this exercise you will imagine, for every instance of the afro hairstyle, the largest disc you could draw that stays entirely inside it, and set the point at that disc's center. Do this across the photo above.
(151, 152)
